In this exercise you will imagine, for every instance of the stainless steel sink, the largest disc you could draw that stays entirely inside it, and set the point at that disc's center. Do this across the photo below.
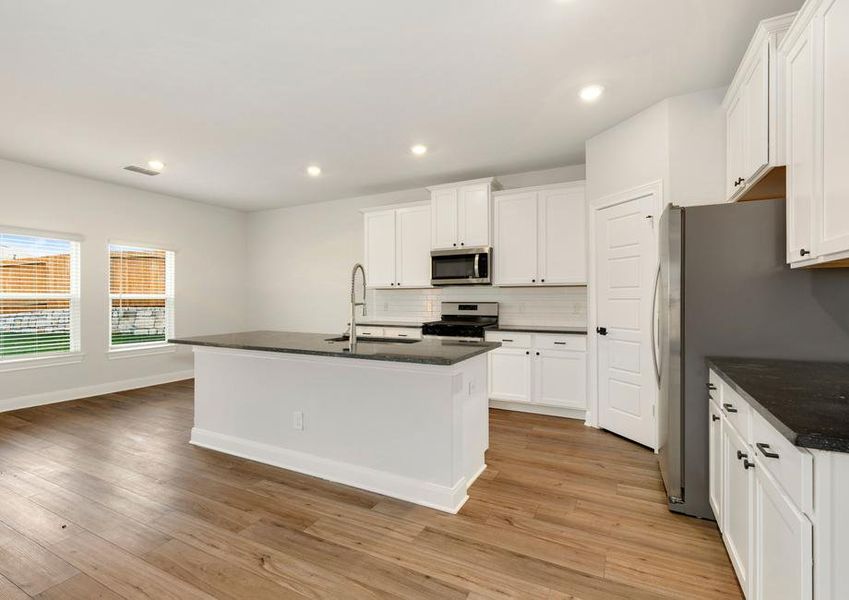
(374, 340)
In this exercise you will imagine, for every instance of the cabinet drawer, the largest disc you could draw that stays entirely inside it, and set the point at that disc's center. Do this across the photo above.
(560, 342)
(369, 331)
(403, 332)
(790, 466)
(509, 339)
(737, 412)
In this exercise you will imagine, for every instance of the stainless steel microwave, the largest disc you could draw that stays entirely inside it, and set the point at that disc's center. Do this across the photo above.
(461, 266)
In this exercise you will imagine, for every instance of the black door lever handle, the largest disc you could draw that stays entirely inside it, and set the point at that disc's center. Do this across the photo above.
(601, 330)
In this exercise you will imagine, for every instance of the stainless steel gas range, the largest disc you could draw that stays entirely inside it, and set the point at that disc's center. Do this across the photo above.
(463, 321)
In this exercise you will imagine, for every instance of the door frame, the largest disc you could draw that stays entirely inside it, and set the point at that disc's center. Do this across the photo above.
(651, 196)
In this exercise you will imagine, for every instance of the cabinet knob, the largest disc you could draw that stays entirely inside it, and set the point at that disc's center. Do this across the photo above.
(804, 252)
(537, 353)
(391, 284)
(462, 243)
(542, 280)
(741, 455)
(528, 352)
(748, 465)
(714, 418)
(533, 280)
(729, 408)
(455, 244)
(711, 386)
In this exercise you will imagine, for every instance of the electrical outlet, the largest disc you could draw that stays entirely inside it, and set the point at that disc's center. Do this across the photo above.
(298, 420)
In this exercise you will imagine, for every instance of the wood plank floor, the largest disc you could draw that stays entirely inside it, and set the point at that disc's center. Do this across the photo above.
(104, 498)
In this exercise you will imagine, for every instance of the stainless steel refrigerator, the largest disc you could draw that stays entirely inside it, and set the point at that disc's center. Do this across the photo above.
(724, 289)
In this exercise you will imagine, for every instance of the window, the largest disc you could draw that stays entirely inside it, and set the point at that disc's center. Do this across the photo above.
(141, 296)
(39, 296)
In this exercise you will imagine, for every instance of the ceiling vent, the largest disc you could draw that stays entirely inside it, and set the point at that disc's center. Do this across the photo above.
(141, 170)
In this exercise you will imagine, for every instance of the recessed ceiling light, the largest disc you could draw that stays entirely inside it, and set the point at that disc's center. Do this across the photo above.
(314, 170)
(419, 149)
(591, 93)
(155, 165)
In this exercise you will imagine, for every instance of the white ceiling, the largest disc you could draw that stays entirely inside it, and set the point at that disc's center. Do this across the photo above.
(239, 96)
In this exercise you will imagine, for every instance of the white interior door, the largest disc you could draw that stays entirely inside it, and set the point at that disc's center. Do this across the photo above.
(626, 259)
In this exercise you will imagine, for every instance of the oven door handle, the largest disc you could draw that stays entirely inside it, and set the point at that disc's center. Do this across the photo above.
(477, 265)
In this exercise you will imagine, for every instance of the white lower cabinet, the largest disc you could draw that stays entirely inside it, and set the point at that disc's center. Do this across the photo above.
(783, 543)
(510, 374)
(777, 502)
(716, 464)
(737, 503)
(544, 370)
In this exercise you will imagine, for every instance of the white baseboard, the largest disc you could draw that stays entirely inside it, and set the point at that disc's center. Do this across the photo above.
(444, 498)
(552, 411)
(92, 390)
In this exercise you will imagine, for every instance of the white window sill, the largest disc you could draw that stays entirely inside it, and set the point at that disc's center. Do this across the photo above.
(141, 350)
(37, 362)
(136, 351)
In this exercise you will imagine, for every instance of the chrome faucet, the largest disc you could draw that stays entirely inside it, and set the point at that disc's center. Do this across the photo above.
(352, 337)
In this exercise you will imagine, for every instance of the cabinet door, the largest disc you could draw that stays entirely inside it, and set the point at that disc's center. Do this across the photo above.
(510, 375)
(473, 217)
(562, 252)
(756, 127)
(380, 248)
(715, 466)
(560, 378)
(783, 545)
(515, 249)
(800, 148)
(831, 206)
(443, 206)
(735, 126)
(737, 504)
(412, 262)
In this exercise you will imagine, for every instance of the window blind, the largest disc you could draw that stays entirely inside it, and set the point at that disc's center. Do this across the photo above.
(141, 296)
(39, 296)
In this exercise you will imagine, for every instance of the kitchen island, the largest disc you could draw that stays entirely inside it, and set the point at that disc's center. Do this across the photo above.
(407, 419)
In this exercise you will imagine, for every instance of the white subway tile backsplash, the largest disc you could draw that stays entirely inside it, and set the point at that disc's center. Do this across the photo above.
(556, 306)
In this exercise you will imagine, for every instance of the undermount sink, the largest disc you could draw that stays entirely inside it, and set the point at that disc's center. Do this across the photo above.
(374, 340)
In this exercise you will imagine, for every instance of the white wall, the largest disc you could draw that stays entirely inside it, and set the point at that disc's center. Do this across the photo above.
(301, 257)
(210, 246)
(630, 154)
(680, 141)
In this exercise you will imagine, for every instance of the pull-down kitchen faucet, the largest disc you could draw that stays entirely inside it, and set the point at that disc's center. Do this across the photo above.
(352, 337)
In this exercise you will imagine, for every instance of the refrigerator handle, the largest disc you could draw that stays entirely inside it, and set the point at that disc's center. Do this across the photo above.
(654, 324)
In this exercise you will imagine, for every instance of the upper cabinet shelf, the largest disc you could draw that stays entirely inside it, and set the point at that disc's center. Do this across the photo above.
(755, 117)
(461, 214)
(816, 60)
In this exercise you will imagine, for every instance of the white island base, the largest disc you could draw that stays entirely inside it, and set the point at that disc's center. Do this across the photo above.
(411, 431)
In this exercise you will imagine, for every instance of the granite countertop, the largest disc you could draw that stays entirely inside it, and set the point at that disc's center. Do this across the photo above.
(807, 402)
(425, 352)
(541, 329)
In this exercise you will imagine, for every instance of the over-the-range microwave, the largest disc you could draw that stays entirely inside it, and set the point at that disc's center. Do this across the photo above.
(461, 266)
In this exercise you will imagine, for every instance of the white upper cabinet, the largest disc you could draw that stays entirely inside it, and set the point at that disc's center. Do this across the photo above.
(460, 214)
(473, 221)
(816, 57)
(754, 108)
(541, 236)
(515, 246)
(397, 246)
(562, 243)
(380, 248)
(412, 246)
